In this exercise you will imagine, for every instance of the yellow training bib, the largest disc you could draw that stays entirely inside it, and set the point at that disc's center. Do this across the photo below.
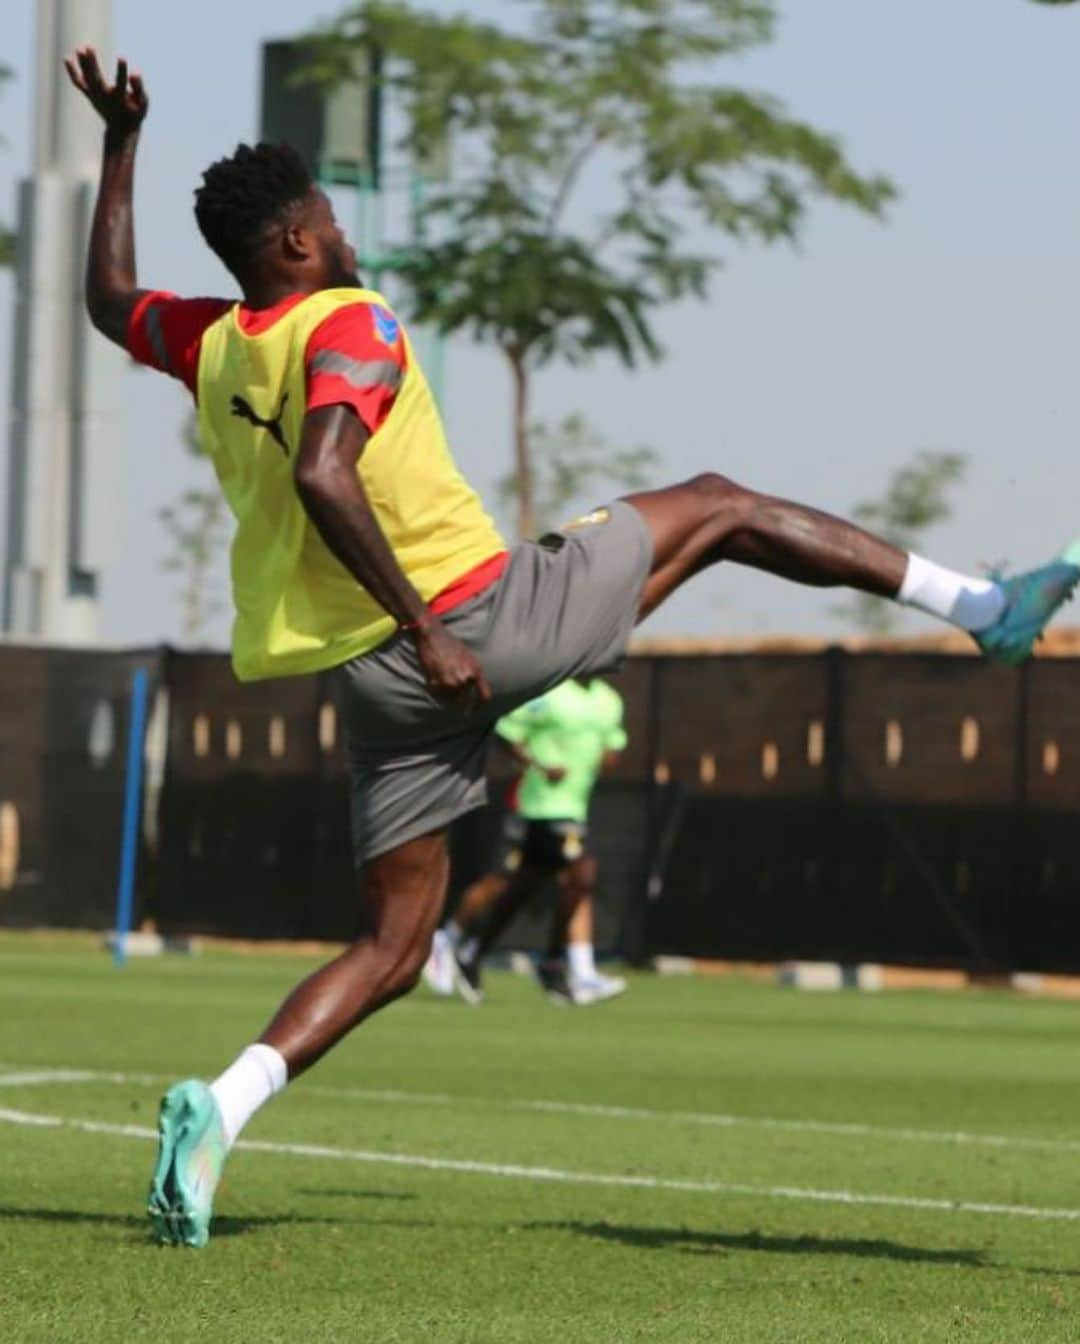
(297, 608)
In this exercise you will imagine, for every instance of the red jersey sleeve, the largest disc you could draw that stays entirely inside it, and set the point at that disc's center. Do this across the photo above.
(357, 358)
(165, 332)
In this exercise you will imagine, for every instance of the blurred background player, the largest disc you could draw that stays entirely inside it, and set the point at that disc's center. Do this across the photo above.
(562, 741)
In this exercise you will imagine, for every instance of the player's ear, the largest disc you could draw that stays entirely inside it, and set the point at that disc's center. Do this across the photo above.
(301, 225)
(297, 242)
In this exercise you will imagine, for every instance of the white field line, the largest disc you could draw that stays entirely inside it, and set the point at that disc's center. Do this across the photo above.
(717, 1119)
(556, 1175)
(709, 1118)
(40, 1076)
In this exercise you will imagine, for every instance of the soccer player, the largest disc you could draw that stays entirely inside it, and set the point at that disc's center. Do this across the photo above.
(358, 546)
(561, 741)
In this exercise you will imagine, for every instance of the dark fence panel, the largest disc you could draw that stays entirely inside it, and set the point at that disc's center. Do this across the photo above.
(911, 808)
(64, 718)
(772, 880)
(899, 807)
(254, 815)
(23, 702)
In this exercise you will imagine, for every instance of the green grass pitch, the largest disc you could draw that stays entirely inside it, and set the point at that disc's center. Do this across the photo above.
(700, 1161)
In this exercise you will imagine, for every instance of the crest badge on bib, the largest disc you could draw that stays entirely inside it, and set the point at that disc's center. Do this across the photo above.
(588, 520)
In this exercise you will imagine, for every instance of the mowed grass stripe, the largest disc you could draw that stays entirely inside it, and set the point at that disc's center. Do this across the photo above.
(553, 1174)
(832, 1128)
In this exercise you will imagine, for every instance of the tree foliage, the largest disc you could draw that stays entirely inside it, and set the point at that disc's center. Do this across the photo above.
(916, 498)
(627, 91)
(573, 461)
(197, 526)
(914, 501)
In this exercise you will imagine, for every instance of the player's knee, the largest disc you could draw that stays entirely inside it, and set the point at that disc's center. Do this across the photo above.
(402, 983)
(392, 967)
(723, 504)
(412, 967)
(715, 491)
(403, 974)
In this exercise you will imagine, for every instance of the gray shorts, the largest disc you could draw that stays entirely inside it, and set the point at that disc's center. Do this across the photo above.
(564, 607)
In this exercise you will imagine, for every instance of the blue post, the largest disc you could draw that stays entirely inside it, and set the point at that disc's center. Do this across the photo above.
(125, 893)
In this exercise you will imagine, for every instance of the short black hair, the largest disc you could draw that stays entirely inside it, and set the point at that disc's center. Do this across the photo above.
(241, 195)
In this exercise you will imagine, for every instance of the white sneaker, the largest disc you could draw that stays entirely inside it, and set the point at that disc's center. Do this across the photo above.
(439, 967)
(596, 988)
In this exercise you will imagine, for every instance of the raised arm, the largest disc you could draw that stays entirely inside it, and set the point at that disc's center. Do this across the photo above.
(111, 291)
(332, 493)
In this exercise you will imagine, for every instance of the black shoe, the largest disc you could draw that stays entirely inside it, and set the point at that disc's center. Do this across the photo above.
(467, 979)
(552, 978)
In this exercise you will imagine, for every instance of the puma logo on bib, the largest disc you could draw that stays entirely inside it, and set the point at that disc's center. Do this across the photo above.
(241, 407)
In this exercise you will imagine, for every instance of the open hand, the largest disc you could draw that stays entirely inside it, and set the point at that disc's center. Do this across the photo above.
(122, 105)
(452, 670)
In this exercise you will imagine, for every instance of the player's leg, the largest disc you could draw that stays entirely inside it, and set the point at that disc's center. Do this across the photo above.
(572, 924)
(469, 959)
(571, 917)
(403, 894)
(439, 969)
(710, 518)
(525, 883)
(465, 941)
(478, 900)
(575, 929)
(456, 957)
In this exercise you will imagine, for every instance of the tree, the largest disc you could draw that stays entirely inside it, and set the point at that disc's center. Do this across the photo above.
(7, 238)
(623, 90)
(571, 458)
(198, 527)
(916, 498)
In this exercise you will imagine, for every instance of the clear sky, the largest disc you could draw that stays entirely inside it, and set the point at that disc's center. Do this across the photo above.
(811, 374)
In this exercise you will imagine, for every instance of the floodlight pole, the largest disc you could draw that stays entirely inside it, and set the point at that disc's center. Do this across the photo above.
(371, 189)
(375, 260)
(340, 133)
(65, 404)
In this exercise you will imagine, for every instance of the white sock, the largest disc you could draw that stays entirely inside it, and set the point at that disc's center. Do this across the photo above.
(467, 950)
(454, 934)
(256, 1075)
(972, 604)
(582, 961)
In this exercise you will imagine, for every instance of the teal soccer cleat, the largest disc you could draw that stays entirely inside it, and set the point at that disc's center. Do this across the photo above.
(1031, 601)
(191, 1154)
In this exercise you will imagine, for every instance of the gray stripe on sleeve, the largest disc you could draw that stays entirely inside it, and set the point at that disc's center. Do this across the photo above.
(358, 373)
(157, 338)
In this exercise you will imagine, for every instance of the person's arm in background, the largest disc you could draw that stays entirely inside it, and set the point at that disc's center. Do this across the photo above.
(111, 287)
(515, 730)
(331, 491)
(615, 739)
